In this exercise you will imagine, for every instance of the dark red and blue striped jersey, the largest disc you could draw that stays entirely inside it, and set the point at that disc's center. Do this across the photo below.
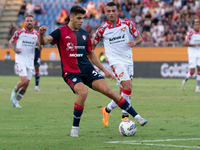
(73, 47)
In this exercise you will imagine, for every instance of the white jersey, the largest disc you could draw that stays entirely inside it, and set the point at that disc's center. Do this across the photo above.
(26, 41)
(193, 37)
(115, 38)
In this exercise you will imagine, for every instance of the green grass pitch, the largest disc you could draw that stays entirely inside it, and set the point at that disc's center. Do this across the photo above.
(45, 119)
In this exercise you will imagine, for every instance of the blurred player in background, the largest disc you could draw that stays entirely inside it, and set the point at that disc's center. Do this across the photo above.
(117, 36)
(37, 61)
(192, 41)
(27, 39)
(75, 48)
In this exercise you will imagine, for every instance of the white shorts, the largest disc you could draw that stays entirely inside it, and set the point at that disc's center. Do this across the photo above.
(194, 61)
(24, 71)
(193, 57)
(122, 72)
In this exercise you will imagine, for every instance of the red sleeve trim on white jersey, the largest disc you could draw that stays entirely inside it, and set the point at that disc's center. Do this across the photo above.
(16, 35)
(99, 34)
(189, 35)
(134, 32)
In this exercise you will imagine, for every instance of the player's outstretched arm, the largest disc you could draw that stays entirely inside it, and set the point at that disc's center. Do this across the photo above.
(93, 45)
(191, 45)
(94, 59)
(12, 45)
(44, 40)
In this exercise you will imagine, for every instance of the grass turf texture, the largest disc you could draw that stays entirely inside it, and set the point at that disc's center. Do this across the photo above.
(45, 119)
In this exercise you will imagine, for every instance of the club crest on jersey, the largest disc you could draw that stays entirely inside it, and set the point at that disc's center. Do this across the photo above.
(123, 29)
(34, 38)
(70, 46)
(19, 70)
(84, 37)
(121, 74)
(74, 80)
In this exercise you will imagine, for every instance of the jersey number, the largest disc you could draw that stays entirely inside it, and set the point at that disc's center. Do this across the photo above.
(94, 72)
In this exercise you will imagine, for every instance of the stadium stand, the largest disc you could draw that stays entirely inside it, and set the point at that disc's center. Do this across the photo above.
(160, 22)
(8, 15)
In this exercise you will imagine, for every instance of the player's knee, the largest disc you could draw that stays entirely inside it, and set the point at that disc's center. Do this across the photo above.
(83, 93)
(127, 85)
(24, 82)
(192, 72)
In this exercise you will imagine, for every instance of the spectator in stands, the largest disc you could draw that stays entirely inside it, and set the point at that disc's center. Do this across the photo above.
(62, 16)
(87, 14)
(147, 24)
(160, 27)
(88, 28)
(91, 9)
(7, 56)
(30, 8)
(12, 29)
(168, 10)
(161, 39)
(38, 9)
(94, 29)
(127, 5)
(168, 40)
(121, 15)
(138, 18)
(102, 8)
(136, 9)
(197, 2)
(194, 7)
(174, 40)
(139, 27)
(36, 23)
(145, 9)
(23, 25)
(146, 38)
(155, 36)
(181, 39)
(177, 4)
(22, 9)
(197, 12)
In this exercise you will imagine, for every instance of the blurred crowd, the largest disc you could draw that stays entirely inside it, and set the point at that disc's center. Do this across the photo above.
(161, 23)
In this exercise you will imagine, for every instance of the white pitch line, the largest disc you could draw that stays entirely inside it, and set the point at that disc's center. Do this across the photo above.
(142, 142)
(155, 140)
(164, 145)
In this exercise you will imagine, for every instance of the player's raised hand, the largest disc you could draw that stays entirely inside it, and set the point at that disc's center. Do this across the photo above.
(42, 29)
(109, 75)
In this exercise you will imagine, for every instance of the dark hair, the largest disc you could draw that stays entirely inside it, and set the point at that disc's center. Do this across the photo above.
(111, 4)
(28, 16)
(77, 10)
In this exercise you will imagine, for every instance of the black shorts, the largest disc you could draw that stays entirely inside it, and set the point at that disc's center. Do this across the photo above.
(37, 57)
(87, 78)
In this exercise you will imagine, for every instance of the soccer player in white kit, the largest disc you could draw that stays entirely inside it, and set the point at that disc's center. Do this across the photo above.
(192, 41)
(117, 36)
(27, 39)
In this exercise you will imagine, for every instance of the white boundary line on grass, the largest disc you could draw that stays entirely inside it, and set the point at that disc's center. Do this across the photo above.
(168, 145)
(164, 145)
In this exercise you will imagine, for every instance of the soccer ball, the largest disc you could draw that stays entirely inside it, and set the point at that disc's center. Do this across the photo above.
(127, 128)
